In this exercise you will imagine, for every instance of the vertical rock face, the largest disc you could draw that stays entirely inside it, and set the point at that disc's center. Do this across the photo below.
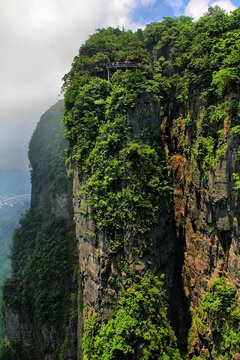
(211, 226)
(102, 279)
(193, 240)
(16, 328)
(99, 266)
(206, 218)
(206, 209)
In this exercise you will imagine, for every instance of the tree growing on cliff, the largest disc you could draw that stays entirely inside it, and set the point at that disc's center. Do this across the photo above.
(139, 329)
(215, 332)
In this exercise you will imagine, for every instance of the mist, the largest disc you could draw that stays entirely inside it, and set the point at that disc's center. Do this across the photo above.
(39, 40)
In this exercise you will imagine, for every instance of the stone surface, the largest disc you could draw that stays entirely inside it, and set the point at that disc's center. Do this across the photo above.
(101, 281)
(205, 211)
(16, 329)
(195, 239)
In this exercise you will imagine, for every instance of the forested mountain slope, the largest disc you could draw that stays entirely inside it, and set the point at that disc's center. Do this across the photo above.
(15, 190)
(154, 161)
(38, 296)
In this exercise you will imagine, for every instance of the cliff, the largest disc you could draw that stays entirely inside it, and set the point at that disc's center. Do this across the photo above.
(153, 159)
(180, 102)
(39, 295)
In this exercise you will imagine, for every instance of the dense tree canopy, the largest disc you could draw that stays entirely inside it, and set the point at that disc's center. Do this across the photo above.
(139, 328)
(190, 62)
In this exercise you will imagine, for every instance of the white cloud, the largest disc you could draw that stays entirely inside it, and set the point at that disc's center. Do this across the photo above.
(224, 4)
(38, 41)
(197, 8)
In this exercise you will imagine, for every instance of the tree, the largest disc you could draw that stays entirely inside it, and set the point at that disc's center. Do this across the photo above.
(139, 329)
(215, 333)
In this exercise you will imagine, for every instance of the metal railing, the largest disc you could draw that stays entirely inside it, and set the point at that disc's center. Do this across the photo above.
(124, 64)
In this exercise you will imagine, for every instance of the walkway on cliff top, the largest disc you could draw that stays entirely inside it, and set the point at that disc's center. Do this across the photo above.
(124, 64)
(118, 65)
(121, 65)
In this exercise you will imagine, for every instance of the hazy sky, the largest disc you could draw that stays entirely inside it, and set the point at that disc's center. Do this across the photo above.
(39, 39)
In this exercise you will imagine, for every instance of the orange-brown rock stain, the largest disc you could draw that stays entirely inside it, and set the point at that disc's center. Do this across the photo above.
(178, 168)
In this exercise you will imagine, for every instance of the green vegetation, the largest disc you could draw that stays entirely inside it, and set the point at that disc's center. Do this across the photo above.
(1, 327)
(43, 253)
(184, 63)
(107, 151)
(118, 155)
(188, 76)
(42, 259)
(43, 250)
(190, 70)
(9, 218)
(12, 183)
(215, 332)
(134, 206)
(138, 329)
(46, 152)
(15, 352)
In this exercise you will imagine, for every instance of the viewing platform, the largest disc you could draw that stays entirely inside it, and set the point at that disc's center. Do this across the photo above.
(113, 66)
(120, 65)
